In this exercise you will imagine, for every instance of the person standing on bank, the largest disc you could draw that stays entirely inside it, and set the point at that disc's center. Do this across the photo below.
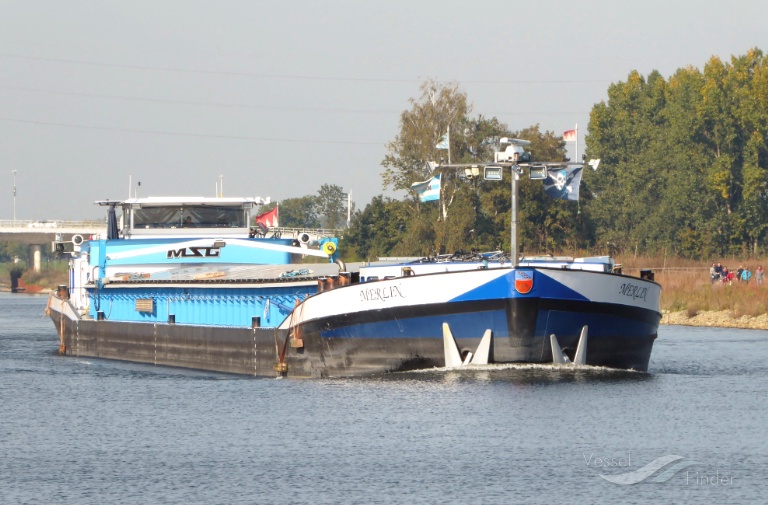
(719, 271)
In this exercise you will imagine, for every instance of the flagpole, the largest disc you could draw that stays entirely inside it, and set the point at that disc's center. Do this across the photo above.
(349, 206)
(448, 137)
(577, 143)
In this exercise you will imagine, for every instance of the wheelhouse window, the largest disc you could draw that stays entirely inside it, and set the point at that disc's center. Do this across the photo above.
(189, 216)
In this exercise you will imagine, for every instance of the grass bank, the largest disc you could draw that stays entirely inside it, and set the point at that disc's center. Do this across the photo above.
(686, 286)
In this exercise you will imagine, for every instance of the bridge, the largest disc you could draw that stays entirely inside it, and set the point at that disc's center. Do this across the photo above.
(39, 234)
(29, 232)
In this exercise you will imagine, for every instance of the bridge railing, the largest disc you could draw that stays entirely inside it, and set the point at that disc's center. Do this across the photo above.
(44, 225)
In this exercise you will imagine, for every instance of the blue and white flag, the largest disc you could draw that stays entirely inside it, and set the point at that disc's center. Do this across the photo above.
(563, 183)
(443, 142)
(428, 190)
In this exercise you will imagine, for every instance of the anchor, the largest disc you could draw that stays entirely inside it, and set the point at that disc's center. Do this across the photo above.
(453, 356)
(579, 359)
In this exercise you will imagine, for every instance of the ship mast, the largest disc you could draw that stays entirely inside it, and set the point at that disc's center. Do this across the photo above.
(513, 250)
(514, 152)
(517, 159)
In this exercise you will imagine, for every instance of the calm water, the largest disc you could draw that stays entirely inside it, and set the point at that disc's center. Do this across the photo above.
(85, 431)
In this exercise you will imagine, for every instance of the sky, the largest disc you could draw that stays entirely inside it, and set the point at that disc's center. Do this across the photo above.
(274, 99)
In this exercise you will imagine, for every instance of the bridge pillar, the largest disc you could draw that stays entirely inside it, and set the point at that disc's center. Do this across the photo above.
(36, 252)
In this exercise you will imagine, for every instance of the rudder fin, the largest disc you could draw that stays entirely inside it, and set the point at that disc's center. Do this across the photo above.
(450, 348)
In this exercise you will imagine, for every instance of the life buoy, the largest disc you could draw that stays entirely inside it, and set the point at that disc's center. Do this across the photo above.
(329, 248)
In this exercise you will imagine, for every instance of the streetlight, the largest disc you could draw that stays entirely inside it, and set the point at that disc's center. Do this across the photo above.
(14, 197)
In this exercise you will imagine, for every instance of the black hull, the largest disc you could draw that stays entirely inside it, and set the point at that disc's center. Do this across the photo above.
(262, 351)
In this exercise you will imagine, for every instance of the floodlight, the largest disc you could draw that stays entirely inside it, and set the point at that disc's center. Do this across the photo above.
(538, 172)
(492, 173)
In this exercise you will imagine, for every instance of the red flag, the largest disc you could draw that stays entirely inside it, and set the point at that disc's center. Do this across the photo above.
(569, 136)
(268, 219)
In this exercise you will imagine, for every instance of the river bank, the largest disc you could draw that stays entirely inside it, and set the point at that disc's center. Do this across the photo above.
(716, 318)
(31, 289)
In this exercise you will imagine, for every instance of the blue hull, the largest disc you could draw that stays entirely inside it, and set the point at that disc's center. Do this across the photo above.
(619, 337)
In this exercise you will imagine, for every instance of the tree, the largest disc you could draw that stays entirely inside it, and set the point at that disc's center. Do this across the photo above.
(11, 250)
(479, 216)
(684, 162)
(625, 134)
(332, 206)
(684, 170)
(376, 230)
(440, 108)
(300, 212)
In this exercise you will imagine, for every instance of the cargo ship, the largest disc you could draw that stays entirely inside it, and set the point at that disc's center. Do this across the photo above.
(192, 282)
